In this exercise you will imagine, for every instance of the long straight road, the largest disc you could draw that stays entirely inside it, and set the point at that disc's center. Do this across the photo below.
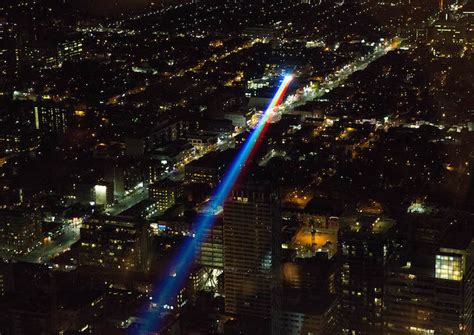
(337, 78)
(49, 250)
(128, 201)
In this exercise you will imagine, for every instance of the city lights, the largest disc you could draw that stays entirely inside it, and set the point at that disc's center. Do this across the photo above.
(169, 286)
(244, 167)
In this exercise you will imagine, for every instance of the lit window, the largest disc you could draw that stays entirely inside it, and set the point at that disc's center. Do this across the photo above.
(449, 267)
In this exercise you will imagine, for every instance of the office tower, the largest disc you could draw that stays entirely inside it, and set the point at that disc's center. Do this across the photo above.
(50, 118)
(252, 224)
(69, 50)
(4, 32)
(8, 54)
(165, 193)
(39, 300)
(449, 32)
(365, 243)
(209, 169)
(115, 243)
(316, 274)
(103, 194)
(453, 286)
(310, 271)
(304, 313)
(210, 254)
(20, 231)
(309, 303)
(429, 290)
(126, 175)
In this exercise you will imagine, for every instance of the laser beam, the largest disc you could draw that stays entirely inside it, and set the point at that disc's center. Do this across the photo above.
(182, 261)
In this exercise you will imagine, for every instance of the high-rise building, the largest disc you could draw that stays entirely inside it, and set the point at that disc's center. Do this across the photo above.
(20, 231)
(103, 194)
(8, 53)
(29, 307)
(126, 175)
(115, 242)
(252, 224)
(50, 118)
(10, 142)
(303, 313)
(211, 251)
(210, 254)
(315, 274)
(69, 50)
(429, 290)
(209, 169)
(310, 304)
(165, 193)
(449, 32)
(364, 245)
(4, 30)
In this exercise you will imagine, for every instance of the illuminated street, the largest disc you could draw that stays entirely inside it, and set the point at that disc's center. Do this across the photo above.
(53, 248)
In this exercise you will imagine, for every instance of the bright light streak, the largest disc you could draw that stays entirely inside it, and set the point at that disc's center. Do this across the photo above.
(168, 287)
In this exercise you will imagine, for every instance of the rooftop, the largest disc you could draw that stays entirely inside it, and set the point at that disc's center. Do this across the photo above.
(370, 224)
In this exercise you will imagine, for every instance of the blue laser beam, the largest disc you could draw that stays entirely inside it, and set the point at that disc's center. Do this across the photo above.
(181, 263)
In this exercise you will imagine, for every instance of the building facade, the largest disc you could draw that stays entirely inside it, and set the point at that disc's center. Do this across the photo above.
(115, 242)
(252, 222)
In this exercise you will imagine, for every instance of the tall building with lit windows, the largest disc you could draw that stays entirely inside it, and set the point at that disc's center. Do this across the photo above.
(8, 53)
(69, 50)
(115, 242)
(252, 222)
(50, 118)
(428, 291)
(453, 287)
(165, 193)
(4, 54)
(208, 169)
(20, 231)
(210, 253)
(365, 244)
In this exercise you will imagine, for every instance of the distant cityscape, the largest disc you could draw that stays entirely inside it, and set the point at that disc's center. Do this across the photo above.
(190, 167)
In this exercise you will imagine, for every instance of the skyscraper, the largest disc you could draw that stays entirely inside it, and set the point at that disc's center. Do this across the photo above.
(252, 222)
(165, 193)
(50, 118)
(429, 290)
(20, 231)
(365, 244)
(210, 254)
(8, 69)
(116, 243)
